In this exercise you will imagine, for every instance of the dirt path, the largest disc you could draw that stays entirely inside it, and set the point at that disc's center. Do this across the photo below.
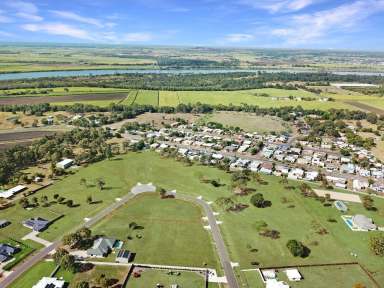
(365, 107)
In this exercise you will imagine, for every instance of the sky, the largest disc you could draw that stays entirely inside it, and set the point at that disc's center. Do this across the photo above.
(317, 24)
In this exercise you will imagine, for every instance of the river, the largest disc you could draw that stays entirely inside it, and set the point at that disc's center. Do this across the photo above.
(71, 73)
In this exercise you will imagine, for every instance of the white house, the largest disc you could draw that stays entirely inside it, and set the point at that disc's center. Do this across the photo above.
(13, 191)
(65, 163)
(273, 283)
(358, 184)
(49, 282)
(311, 175)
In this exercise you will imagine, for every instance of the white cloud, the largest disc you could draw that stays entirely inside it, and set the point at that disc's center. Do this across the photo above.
(27, 16)
(4, 18)
(239, 37)
(137, 37)
(58, 29)
(275, 6)
(6, 34)
(25, 10)
(304, 28)
(76, 17)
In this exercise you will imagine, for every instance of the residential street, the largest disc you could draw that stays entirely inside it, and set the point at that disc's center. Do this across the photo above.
(40, 255)
(217, 238)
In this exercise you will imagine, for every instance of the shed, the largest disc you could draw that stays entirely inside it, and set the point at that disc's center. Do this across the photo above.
(65, 163)
(293, 274)
(123, 256)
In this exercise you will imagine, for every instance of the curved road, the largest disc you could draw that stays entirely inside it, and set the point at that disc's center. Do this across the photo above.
(216, 234)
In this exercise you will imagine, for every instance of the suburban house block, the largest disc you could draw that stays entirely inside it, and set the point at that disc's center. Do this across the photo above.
(101, 247)
(36, 224)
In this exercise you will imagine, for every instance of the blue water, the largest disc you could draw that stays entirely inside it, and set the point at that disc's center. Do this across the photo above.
(35, 75)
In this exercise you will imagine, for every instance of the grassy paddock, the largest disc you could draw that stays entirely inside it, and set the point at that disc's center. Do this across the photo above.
(249, 122)
(151, 277)
(171, 232)
(294, 216)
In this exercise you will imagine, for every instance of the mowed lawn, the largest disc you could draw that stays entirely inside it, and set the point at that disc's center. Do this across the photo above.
(301, 221)
(249, 122)
(151, 277)
(171, 231)
(33, 275)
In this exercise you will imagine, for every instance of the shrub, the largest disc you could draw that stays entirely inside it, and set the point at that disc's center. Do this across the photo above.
(297, 248)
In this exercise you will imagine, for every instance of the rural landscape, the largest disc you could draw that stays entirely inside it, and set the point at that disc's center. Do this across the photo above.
(143, 161)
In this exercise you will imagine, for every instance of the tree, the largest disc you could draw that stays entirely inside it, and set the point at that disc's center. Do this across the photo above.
(89, 199)
(377, 244)
(368, 202)
(100, 182)
(102, 281)
(258, 201)
(70, 203)
(82, 284)
(297, 248)
(68, 262)
(60, 253)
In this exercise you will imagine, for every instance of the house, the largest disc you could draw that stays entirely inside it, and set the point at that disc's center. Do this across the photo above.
(363, 223)
(123, 256)
(268, 274)
(36, 224)
(65, 163)
(101, 247)
(348, 168)
(254, 166)
(49, 282)
(293, 274)
(12, 192)
(6, 251)
(358, 184)
(273, 283)
(311, 175)
(4, 223)
(296, 173)
(266, 168)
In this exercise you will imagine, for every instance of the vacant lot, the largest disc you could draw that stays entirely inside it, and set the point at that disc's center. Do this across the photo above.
(115, 273)
(158, 119)
(249, 122)
(367, 107)
(170, 232)
(151, 277)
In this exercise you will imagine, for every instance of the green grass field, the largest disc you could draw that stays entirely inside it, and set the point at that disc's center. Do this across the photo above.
(300, 222)
(60, 91)
(149, 278)
(248, 122)
(273, 98)
(118, 275)
(172, 232)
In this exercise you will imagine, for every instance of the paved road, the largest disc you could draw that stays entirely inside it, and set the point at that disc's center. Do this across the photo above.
(34, 259)
(217, 238)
